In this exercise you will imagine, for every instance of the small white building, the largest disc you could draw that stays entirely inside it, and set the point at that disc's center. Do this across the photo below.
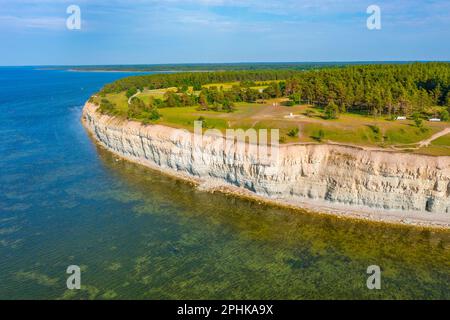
(293, 116)
(401, 118)
(435, 120)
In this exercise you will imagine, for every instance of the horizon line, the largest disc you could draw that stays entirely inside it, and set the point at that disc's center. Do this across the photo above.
(220, 63)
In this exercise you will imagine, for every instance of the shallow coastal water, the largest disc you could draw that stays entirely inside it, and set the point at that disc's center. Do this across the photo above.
(139, 234)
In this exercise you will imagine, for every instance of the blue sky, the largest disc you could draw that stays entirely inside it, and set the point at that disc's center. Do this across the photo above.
(33, 32)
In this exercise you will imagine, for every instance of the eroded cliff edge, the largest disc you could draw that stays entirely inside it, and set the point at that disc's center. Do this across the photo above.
(340, 179)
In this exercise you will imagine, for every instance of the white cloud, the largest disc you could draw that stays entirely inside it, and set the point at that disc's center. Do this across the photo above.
(223, 15)
(47, 23)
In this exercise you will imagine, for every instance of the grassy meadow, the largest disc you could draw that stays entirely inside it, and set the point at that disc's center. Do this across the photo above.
(297, 124)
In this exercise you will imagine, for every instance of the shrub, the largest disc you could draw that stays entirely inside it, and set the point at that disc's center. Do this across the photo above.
(290, 103)
(319, 135)
(172, 100)
(417, 120)
(107, 107)
(136, 108)
(293, 132)
(375, 129)
(131, 92)
(331, 111)
(445, 116)
(154, 114)
(227, 106)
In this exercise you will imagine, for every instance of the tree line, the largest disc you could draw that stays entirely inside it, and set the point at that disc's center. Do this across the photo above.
(193, 79)
(375, 89)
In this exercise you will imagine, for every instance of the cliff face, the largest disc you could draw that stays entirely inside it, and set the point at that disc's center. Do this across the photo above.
(331, 174)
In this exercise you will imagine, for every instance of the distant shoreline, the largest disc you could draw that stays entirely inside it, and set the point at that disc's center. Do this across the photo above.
(207, 67)
(112, 71)
(214, 66)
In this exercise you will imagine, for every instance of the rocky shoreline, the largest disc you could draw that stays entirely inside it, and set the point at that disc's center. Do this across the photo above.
(331, 179)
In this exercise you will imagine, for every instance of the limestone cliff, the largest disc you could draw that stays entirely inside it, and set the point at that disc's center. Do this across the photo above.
(329, 175)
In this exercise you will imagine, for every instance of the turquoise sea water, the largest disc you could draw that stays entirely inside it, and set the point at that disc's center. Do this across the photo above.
(138, 234)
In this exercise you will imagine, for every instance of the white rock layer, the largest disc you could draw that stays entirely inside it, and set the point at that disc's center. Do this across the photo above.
(332, 174)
